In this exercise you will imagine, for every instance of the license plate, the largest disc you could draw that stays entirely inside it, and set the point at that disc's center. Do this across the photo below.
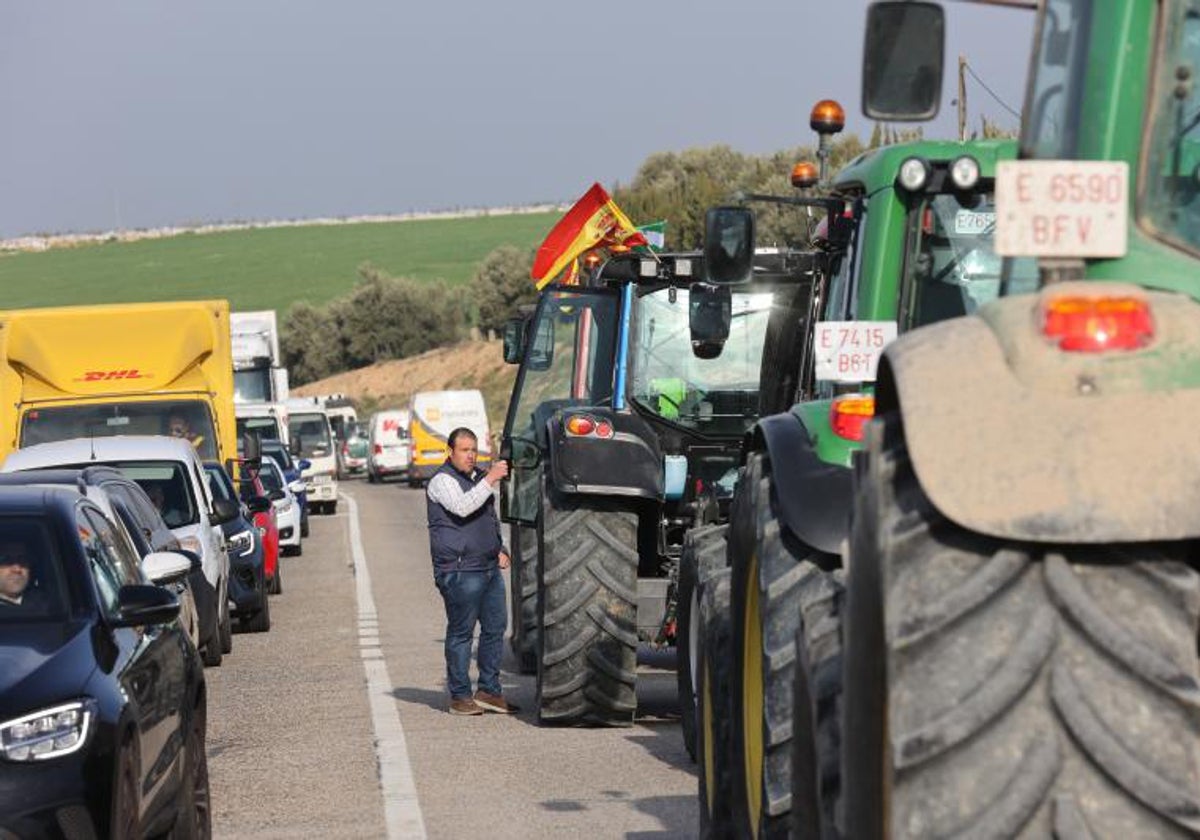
(1061, 208)
(322, 479)
(972, 223)
(849, 351)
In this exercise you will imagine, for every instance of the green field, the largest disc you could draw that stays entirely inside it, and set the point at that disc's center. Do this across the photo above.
(266, 268)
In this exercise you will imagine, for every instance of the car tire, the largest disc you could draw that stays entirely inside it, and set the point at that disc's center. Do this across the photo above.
(304, 525)
(211, 654)
(125, 817)
(332, 508)
(193, 819)
(260, 621)
(225, 629)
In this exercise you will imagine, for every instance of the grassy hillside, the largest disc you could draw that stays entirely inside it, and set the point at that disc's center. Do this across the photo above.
(261, 269)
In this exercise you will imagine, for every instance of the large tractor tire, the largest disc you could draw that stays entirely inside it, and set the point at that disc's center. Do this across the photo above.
(1001, 689)
(523, 589)
(817, 713)
(587, 611)
(703, 554)
(714, 715)
(775, 579)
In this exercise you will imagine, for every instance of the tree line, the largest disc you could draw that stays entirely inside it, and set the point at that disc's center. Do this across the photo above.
(386, 317)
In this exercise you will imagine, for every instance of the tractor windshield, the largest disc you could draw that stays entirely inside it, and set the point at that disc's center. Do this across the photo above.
(1170, 199)
(950, 267)
(718, 395)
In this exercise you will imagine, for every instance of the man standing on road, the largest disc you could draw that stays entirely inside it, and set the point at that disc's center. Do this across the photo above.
(468, 554)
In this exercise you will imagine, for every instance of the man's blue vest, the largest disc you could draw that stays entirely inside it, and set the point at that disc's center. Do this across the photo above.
(457, 543)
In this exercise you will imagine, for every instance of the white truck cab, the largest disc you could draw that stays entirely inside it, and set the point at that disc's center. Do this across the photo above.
(312, 438)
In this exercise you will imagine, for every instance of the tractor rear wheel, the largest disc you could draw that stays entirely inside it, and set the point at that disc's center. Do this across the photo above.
(775, 579)
(714, 720)
(703, 554)
(587, 611)
(523, 588)
(997, 688)
(817, 713)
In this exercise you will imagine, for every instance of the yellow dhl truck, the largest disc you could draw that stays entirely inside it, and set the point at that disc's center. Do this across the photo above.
(120, 369)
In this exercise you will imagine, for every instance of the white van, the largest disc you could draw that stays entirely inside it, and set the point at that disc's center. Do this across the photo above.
(435, 414)
(387, 444)
(311, 434)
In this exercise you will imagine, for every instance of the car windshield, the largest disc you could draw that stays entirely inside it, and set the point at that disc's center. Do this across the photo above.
(717, 395)
(32, 584)
(950, 266)
(1170, 192)
(280, 456)
(313, 432)
(188, 419)
(253, 385)
(270, 477)
(167, 485)
(267, 428)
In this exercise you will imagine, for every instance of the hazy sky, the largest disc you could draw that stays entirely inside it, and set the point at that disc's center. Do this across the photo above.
(139, 113)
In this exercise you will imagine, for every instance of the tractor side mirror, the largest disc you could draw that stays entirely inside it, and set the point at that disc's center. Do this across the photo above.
(514, 340)
(903, 59)
(710, 313)
(541, 353)
(728, 244)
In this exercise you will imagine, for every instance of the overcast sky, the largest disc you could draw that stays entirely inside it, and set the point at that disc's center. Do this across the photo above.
(139, 113)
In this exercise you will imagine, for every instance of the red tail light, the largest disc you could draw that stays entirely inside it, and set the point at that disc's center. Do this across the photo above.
(604, 429)
(579, 425)
(379, 449)
(1084, 324)
(849, 414)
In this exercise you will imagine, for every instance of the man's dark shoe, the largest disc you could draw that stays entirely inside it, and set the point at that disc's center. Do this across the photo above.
(465, 706)
(494, 703)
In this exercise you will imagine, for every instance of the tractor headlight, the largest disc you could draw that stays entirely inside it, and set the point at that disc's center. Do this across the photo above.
(49, 733)
(964, 172)
(914, 174)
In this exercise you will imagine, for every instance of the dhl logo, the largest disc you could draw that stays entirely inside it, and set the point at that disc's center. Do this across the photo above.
(108, 375)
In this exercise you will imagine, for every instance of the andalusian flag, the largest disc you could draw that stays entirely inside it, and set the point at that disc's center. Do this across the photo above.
(656, 234)
(593, 221)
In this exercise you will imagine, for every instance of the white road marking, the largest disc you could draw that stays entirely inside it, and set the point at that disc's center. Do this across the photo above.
(402, 811)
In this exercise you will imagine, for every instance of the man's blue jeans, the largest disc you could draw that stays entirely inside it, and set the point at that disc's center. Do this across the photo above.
(472, 597)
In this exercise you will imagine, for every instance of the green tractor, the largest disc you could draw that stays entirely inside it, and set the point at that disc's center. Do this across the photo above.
(920, 251)
(624, 433)
(1023, 593)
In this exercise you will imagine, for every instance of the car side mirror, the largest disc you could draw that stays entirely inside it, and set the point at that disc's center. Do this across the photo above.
(166, 567)
(903, 60)
(223, 511)
(728, 244)
(193, 558)
(141, 605)
(304, 464)
(296, 487)
(258, 504)
(514, 340)
(252, 448)
(294, 446)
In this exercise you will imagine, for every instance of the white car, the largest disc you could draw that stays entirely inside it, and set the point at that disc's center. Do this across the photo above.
(171, 473)
(287, 506)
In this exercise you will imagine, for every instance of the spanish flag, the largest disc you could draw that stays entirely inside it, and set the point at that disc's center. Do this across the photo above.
(594, 220)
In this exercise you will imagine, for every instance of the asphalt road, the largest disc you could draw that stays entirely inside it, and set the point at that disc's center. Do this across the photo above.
(293, 730)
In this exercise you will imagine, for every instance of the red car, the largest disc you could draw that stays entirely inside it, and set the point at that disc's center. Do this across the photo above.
(249, 486)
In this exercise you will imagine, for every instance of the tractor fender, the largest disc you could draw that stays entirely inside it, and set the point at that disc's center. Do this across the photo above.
(1012, 437)
(627, 464)
(812, 497)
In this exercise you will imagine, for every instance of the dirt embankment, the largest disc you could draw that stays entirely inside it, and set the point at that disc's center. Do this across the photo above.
(469, 364)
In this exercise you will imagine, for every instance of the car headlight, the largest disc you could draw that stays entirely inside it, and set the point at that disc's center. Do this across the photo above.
(284, 506)
(242, 543)
(49, 733)
(192, 544)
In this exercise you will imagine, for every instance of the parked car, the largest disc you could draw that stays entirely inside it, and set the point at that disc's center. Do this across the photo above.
(287, 508)
(170, 471)
(293, 470)
(387, 445)
(102, 701)
(354, 450)
(137, 523)
(248, 584)
(252, 493)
